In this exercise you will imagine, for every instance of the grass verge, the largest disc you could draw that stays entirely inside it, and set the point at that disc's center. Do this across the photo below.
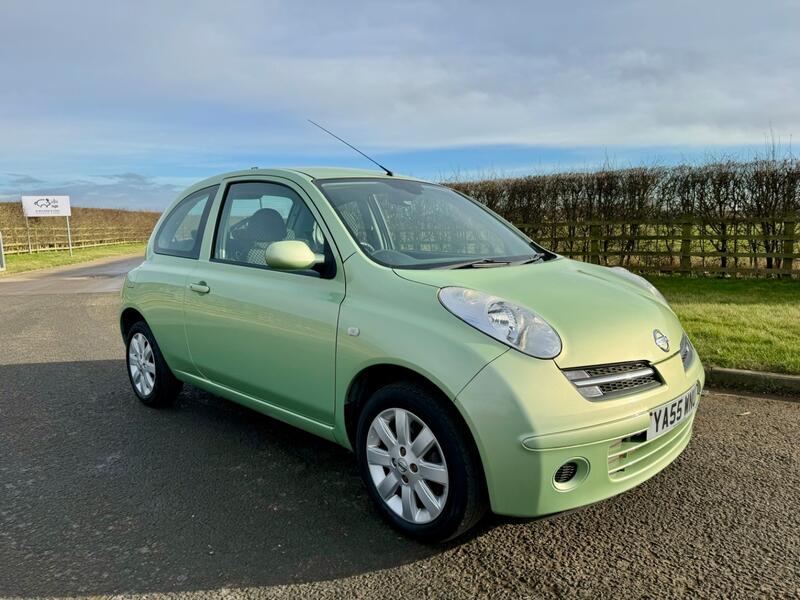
(739, 323)
(19, 263)
(734, 323)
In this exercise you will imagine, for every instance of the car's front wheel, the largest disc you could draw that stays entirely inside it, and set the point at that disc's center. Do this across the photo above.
(418, 464)
(151, 379)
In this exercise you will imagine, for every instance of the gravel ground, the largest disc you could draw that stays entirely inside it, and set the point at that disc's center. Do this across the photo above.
(102, 496)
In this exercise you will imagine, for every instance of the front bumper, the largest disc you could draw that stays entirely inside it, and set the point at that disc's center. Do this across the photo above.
(528, 420)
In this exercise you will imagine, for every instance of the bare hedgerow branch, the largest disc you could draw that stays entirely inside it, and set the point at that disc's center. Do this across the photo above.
(637, 216)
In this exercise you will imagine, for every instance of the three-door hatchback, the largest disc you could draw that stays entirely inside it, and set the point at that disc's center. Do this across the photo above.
(467, 367)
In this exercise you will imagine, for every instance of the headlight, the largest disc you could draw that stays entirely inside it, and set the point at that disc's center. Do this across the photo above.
(640, 281)
(687, 352)
(513, 325)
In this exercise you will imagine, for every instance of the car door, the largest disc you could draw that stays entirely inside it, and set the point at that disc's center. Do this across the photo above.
(268, 334)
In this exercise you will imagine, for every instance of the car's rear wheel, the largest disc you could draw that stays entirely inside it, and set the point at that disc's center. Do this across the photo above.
(150, 377)
(418, 464)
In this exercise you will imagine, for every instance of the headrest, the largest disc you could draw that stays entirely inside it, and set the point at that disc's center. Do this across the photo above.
(265, 225)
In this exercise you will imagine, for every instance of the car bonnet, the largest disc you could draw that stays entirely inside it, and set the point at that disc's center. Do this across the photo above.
(600, 317)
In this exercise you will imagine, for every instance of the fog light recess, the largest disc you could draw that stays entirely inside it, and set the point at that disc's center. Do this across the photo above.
(571, 474)
(566, 472)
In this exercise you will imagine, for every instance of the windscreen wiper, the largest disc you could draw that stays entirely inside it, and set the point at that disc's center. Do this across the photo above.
(484, 263)
(479, 264)
(535, 258)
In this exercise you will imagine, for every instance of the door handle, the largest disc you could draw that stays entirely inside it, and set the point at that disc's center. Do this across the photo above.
(200, 287)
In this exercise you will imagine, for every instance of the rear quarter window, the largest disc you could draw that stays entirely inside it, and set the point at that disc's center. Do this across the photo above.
(181, 233)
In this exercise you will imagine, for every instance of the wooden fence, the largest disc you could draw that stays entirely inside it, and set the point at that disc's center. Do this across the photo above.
(741, 246)
(42, 238)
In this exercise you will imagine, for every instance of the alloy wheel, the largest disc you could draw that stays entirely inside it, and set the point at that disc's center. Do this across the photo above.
(407, 465)
(141, 364)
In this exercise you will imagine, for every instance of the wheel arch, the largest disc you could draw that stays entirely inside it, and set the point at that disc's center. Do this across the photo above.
(127, 318)
(372, 378)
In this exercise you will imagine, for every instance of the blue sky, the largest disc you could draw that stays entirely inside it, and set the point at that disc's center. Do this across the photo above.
(124, 104)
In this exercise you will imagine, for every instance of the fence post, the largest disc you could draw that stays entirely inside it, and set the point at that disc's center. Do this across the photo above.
(594, 243)
(686, 245)
(28, 227)
(69, 237)
(2, 254)
(789, 236)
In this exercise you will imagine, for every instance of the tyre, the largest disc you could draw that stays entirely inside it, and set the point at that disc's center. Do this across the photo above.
(151, 379)
(419, 464)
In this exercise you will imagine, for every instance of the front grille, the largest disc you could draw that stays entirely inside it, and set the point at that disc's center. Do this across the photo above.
(615, 368)
(627, 384)
(602, 382)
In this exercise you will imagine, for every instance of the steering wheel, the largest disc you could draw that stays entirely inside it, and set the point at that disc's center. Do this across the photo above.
(368, 247)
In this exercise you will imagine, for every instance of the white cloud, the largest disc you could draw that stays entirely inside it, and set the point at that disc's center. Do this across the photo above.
(126, 190)
(116, 84)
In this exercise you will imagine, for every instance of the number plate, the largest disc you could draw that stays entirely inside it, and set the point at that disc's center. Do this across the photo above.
(671, 414)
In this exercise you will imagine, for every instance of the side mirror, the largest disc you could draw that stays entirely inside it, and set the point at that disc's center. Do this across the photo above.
(290, 255)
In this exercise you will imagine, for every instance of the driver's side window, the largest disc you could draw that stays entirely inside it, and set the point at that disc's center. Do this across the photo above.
(255, 215)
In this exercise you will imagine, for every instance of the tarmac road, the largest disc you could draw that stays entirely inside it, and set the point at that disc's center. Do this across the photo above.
(101, 495)
(95, 277)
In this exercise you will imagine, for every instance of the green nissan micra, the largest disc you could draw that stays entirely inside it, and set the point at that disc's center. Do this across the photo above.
(468, 367)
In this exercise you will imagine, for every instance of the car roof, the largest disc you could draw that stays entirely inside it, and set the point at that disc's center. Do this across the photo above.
(295, 173)
(337, 172)
(310, 172)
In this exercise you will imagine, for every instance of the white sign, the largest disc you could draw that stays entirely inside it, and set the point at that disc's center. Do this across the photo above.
(46, 206)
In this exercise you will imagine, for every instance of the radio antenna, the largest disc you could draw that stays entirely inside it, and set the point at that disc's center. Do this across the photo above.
(388, 172)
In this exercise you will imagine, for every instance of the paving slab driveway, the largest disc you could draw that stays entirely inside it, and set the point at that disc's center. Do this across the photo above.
(101, 495)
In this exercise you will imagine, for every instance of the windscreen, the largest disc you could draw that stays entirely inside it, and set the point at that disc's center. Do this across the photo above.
(409, 224)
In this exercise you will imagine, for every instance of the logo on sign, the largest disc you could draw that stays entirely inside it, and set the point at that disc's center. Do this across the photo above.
(46, 203)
